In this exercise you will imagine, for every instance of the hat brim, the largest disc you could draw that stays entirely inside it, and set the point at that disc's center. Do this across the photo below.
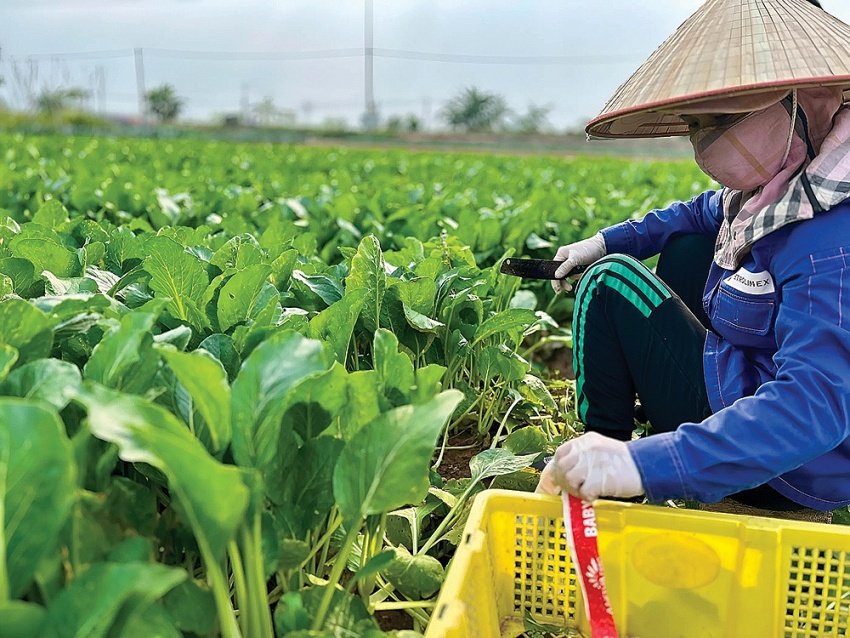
(661, 119)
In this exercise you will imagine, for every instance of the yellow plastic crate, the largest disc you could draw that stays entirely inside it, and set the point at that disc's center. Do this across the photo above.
(669, 573)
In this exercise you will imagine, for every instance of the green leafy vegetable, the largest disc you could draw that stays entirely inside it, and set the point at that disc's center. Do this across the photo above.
(37, 489)
(385, 464)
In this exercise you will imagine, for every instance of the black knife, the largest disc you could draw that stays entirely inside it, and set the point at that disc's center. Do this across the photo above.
(536, 268)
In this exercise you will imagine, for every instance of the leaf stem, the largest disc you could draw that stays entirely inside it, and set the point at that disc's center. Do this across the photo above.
(414, 534)
(242, 597)
(504, 421)
(436, 537)
(414, 609)
(477, 400)
(339, 565)
(252, 544)
(406, 604)
(336, 521)
(484, 423)
(221, 595)
(442, 448)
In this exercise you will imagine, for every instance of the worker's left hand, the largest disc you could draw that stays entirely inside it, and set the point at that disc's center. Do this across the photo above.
(591, 466)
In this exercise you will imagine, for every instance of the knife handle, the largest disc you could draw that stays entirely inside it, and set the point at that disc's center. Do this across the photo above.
(536, 268)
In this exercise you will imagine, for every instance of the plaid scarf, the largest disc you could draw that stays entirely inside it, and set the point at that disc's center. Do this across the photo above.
(820, 185)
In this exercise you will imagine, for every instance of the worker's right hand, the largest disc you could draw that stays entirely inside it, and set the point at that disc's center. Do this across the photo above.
(581, 253)
(590, 466)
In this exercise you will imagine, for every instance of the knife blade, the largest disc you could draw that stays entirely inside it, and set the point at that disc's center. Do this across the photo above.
(536, 268)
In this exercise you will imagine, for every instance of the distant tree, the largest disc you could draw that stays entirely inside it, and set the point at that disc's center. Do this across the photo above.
(475, 110)
(335, 125)
(578, 127)
(535, 120)
(268, 114)
(55, 101)
(24, 78)
(265, 111)
(164, 103)
(287, 117)
(402, 123)
(230, 119)
(394, 124)
(307, 107)
(412, 123)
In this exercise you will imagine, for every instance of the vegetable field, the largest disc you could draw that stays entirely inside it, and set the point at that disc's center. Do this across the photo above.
(229, 374)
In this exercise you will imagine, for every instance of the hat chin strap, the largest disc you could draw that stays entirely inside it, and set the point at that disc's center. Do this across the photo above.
(793, 125)
(798, 113)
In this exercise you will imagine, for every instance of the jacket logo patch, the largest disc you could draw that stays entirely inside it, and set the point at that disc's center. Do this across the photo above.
(754, 283)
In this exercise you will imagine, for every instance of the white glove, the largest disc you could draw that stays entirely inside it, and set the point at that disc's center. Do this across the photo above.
(581, 253)
(591, 466)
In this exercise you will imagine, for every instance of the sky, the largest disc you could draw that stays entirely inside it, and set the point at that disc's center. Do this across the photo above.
(211, 52)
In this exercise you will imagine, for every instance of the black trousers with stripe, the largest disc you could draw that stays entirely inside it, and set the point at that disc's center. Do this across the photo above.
(636, 333)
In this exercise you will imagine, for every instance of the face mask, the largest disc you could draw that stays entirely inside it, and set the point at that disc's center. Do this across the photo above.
(747, 154)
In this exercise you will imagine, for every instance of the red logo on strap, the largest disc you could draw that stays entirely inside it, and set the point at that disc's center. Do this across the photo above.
(580, 522)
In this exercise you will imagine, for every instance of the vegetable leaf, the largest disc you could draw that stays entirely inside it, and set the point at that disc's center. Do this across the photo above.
(178, 276)
(147, 433)
(37, 489)
(385, 464)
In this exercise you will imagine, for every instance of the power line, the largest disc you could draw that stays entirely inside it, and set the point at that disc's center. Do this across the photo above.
(254, 56)
(323, 54)
(84, 55)
(500, 59)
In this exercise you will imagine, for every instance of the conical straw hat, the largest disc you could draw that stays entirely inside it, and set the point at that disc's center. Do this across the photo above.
(753, 50)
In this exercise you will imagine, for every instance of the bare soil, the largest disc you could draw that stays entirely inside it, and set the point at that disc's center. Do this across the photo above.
(460, 448)
(393, 620)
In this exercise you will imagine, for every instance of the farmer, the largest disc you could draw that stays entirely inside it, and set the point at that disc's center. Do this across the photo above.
(739, 347)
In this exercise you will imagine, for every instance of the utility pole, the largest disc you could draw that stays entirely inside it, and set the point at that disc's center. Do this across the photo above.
(246, 103)
(140, 82)
(370, 119)
(307, 107)
(100, 79)
(426, 113)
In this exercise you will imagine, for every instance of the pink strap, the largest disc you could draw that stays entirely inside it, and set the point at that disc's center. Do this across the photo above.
(580, 522)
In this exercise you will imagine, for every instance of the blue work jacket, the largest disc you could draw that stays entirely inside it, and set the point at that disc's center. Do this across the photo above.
(776, 363)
